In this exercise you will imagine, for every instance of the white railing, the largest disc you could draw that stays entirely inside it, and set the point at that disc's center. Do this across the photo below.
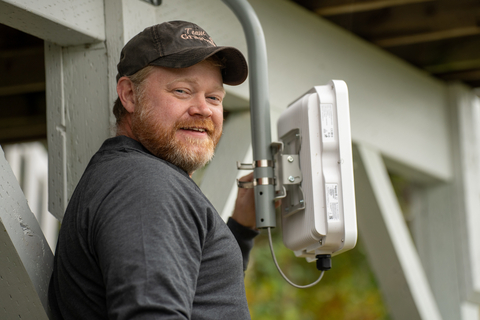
(29, 163)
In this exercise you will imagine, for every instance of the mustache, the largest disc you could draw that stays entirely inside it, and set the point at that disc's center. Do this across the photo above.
(204, 124)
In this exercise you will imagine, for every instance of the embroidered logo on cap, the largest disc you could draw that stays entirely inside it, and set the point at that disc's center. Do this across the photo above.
(190, 34)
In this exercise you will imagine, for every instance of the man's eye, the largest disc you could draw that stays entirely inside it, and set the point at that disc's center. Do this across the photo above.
(180, 91)
(214, 98)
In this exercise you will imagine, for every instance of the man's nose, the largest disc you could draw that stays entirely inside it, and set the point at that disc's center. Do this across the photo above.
(200, 107)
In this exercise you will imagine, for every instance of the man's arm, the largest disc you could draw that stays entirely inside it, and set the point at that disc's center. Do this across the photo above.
(242, 222)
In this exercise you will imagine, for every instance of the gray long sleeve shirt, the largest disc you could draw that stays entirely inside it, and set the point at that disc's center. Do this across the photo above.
(139, 240)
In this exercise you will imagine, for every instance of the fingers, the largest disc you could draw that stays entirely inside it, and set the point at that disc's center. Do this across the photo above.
(278, 203)
(247, 178)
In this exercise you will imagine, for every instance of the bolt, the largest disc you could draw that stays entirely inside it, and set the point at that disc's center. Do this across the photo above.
(290, 159)
(291, 179)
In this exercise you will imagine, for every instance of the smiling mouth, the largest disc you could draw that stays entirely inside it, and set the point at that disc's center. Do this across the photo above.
(195, 129)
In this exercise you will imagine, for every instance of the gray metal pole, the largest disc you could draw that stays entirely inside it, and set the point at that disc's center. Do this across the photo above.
(259, 112)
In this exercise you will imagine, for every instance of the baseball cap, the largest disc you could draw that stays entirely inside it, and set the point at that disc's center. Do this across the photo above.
(179, 44)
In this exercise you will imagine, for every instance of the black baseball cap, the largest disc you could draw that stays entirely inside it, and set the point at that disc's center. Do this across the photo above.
(179, 44)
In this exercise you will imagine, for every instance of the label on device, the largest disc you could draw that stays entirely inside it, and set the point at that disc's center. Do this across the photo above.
(327, 122)
(332, 201)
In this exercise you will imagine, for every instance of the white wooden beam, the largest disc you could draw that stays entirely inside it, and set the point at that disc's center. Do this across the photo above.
(466, 136)
(65, 23)
(26, 260)
(81, 88)
(77, 115)
(390, 248)
(434, 223)
(470, 311)
(123, 20)
(56, 131)
(444, 216)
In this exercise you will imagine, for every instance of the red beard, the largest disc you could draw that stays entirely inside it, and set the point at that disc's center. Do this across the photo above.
(188, 155)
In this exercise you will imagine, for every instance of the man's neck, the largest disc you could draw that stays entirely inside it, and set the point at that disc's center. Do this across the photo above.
(124, 128)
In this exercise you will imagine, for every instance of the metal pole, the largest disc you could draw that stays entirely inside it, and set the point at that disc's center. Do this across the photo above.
(259, 112)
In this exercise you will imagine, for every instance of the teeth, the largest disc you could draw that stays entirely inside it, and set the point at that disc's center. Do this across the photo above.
(198, 129)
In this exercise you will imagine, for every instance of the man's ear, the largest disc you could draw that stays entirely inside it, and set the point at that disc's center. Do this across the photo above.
(126, 93)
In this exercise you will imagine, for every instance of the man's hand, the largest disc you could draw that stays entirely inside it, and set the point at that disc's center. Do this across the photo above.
(244, 212)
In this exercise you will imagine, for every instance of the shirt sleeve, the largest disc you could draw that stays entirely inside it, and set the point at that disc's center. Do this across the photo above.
(244, 237)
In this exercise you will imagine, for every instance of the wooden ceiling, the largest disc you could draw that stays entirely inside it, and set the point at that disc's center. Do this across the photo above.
(441, 37)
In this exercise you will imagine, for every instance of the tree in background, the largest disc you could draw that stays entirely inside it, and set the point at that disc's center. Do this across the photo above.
(347, 292)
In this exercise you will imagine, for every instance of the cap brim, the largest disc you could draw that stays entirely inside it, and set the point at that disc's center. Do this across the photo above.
(234, 73)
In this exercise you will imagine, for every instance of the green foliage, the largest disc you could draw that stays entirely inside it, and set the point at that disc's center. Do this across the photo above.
(348, 291)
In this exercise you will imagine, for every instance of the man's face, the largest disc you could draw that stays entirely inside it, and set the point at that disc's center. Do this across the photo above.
(178, 114)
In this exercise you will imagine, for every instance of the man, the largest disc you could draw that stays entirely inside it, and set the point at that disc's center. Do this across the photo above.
(139, 240)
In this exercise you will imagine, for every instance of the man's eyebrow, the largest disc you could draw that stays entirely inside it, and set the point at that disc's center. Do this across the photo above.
(195, 82)
(189, 80)
(221, 88)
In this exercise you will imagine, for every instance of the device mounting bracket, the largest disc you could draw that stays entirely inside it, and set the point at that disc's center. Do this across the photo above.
(288, 174)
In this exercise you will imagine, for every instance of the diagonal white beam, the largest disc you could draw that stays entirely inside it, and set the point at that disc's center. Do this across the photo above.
(390, 248)
(64, 23)
(26, 260)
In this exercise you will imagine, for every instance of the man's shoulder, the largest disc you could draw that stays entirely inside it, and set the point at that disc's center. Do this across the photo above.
(121, 177)
(121, 168)
(126, 156)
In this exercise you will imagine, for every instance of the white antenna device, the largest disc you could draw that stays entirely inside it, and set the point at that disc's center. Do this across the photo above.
(310, 168)
(314, 173)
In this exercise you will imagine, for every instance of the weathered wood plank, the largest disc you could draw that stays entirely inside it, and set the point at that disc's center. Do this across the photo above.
(65, 23)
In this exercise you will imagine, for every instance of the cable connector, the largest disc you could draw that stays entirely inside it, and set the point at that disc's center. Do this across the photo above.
(324, 262)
